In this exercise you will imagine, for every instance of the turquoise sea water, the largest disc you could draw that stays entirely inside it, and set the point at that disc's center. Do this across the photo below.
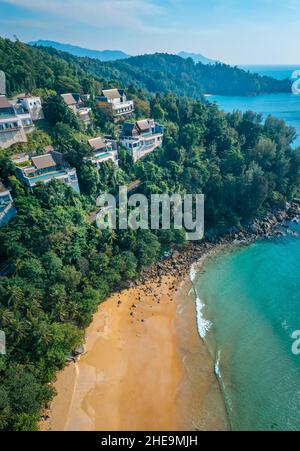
(280, 72)
(282, 106)
(248, 308)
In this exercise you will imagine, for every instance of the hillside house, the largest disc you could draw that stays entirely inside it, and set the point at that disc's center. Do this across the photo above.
(32, 170)
(114, 102)
(31, 104)
(14, 124)
(142, 137)
(76, 102)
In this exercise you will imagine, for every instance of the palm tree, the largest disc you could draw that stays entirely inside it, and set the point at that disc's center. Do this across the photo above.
(7, 317)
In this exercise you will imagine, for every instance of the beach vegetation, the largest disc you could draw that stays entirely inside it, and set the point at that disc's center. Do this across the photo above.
(56, 266)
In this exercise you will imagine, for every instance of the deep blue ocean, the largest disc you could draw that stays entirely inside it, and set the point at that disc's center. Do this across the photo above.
(248, 308)
(283, 106)
(275, 71)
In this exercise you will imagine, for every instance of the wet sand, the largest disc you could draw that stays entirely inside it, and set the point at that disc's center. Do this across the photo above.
(199, 400)
(145, 367)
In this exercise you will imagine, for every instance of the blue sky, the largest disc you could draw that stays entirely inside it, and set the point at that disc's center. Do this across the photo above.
(234, 31)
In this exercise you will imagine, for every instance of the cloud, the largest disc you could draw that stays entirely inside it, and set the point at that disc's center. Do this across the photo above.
(27, 23)
(127, 14)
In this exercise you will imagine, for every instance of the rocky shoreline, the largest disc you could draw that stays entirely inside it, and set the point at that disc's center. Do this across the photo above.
(178, 262)
(154, 292)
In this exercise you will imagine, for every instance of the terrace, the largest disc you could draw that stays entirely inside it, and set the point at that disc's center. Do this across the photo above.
(123, 107)
(104, 150)
(49, 175)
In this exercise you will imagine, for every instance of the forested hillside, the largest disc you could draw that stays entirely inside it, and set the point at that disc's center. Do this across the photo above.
(49, 68)
(61, 266)
(27, 68)
(164, 72)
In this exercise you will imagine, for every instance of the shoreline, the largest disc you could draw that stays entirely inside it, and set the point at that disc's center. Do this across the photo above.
(168, 401)
(112, 387)
(203, 407)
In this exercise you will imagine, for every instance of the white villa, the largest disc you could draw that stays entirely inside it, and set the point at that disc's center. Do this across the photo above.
(76, 102)
(17, 118)
(115, 103)
(103, 150)
(13, 124)
(142, 137)
(30, 103)
(32, 170)
(7, 209)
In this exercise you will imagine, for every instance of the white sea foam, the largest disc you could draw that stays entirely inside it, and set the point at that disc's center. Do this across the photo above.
(287, 327)
(193, 272)
(204, 325)
(217, 365)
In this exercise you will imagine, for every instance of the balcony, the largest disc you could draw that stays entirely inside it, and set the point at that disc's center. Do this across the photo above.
(123, 107)
(46, 176)
(102, 156)
(11, 129)
(7, 213)
(28, 125)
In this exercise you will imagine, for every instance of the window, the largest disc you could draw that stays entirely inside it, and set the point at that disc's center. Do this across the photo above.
(4, 199)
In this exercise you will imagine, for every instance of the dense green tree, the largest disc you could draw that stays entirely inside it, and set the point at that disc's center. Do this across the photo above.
(7, 168)
(148, 248)
(50, 69)
(22, 396)
(89, 179)
(59, 265)
(56, 110)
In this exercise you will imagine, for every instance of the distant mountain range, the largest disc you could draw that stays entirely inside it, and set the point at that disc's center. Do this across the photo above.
(197, 57)
(102, 55)
(109, 55)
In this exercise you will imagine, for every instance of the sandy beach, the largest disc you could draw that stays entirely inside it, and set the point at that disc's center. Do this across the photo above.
(145, 367)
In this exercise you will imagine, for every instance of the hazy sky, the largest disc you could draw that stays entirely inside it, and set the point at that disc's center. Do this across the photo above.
(234, 31)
